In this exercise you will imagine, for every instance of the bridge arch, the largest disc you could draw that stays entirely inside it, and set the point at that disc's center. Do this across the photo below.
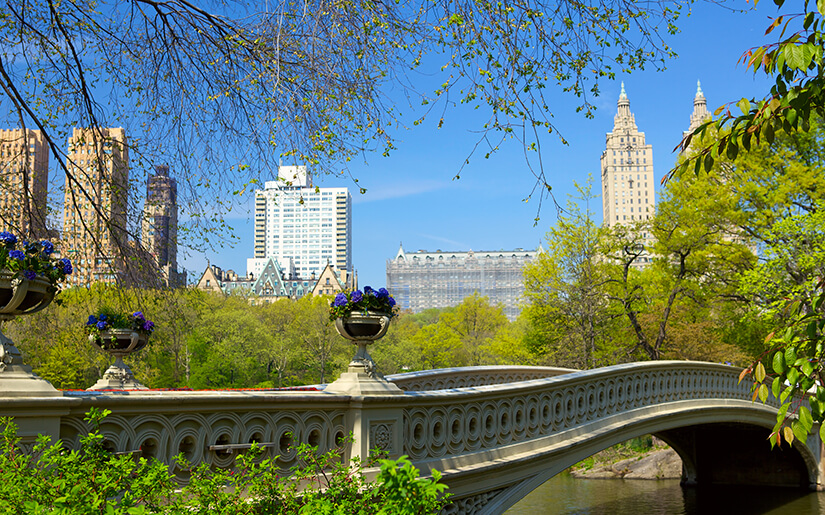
(698, 408)
(749, 461)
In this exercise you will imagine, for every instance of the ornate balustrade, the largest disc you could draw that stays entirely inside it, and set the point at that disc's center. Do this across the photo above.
(465, 377)
(205, 427)
(437, 424)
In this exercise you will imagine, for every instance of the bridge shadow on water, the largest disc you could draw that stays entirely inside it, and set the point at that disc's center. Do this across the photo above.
(565, 495)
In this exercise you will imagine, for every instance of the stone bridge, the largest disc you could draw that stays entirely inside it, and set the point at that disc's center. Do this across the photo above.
(496, 433)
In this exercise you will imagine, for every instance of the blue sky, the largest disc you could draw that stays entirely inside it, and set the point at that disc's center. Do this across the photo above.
(413, 199)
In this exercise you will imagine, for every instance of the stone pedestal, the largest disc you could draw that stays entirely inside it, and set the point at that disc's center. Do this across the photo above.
(17, 378)
(119, 343)
(357, 381)
(20, 296)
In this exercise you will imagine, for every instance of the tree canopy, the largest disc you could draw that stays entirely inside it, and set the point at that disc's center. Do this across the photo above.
(221, 91)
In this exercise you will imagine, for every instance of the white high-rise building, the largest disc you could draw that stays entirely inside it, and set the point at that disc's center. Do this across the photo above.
(627, 170)
(301, 226)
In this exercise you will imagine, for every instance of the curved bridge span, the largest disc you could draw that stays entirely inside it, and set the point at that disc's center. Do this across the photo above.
(497, 443)
(496, 433)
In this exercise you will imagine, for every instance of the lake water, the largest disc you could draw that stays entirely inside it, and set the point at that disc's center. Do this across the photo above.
(565, 495)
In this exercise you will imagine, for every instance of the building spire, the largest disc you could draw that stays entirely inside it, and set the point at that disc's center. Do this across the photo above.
(623, 120)
(700, 109)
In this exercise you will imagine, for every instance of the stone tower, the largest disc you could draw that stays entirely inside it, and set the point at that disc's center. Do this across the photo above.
(627, 170)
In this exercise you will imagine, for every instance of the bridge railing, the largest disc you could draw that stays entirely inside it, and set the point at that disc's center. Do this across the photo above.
(461, 421)
(475, 410)
(466, 377)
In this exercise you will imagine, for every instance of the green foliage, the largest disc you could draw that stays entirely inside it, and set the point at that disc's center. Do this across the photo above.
(52, 480)
(796, 99)
(565, 288)
(795, 368)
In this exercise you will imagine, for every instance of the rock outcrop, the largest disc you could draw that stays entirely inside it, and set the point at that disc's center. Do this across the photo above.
(664, 464)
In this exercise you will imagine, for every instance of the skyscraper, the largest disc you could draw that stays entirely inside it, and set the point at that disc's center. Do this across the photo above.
(159, 228)
(301, 226)
(95, 205)
(24, 177)
(627, 170)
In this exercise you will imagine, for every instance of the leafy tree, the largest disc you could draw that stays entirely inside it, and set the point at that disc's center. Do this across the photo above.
(565, 289)
(795, 104)
(397, 351)
(299, 80)
(695, 252)
(324, 349)
(475, 323)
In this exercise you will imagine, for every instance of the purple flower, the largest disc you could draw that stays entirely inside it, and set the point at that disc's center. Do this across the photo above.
(17, 254)
(392, 302)
(368, 290)
(48, 247)
(149, 326)
(67, 265)
(101, 324)
(356, 296)
(92, 320)
(139, 316)
(382, 293)
(104, 317)
(340, 300)
(28, 274)
(7, 238)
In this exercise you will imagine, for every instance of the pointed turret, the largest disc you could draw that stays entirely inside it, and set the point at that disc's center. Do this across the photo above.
(700, 112)
(624, 120)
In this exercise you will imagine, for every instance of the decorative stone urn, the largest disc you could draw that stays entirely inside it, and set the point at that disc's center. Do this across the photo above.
(362, 377)
(119, 343)
(21, 296)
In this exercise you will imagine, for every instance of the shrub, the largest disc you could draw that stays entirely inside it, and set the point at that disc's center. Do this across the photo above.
(50, 479)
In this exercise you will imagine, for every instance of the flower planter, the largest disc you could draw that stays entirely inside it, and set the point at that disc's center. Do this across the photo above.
(119, 343)
(362, 377)
(21, 296)
(367, 326)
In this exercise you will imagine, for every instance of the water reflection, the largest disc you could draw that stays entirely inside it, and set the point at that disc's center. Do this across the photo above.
(564, 495)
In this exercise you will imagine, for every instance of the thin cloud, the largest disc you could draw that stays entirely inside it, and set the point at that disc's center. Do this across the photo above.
(397, 190)
(456, 245)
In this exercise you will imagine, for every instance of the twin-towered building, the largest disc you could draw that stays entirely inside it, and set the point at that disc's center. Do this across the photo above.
(422, 280)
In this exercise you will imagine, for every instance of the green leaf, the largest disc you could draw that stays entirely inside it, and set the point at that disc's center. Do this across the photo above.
(763, 393)
(732, 150)
(790, 352)
(805, 418)
(780, 415)
(799, 431)
(820, 6)
(793, 376)
(744, 105)
(776, 387)
(822, 432)
(759, 373)
(807, 368)
(779, 362)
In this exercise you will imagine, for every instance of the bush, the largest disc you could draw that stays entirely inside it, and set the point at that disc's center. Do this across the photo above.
(53, 480)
